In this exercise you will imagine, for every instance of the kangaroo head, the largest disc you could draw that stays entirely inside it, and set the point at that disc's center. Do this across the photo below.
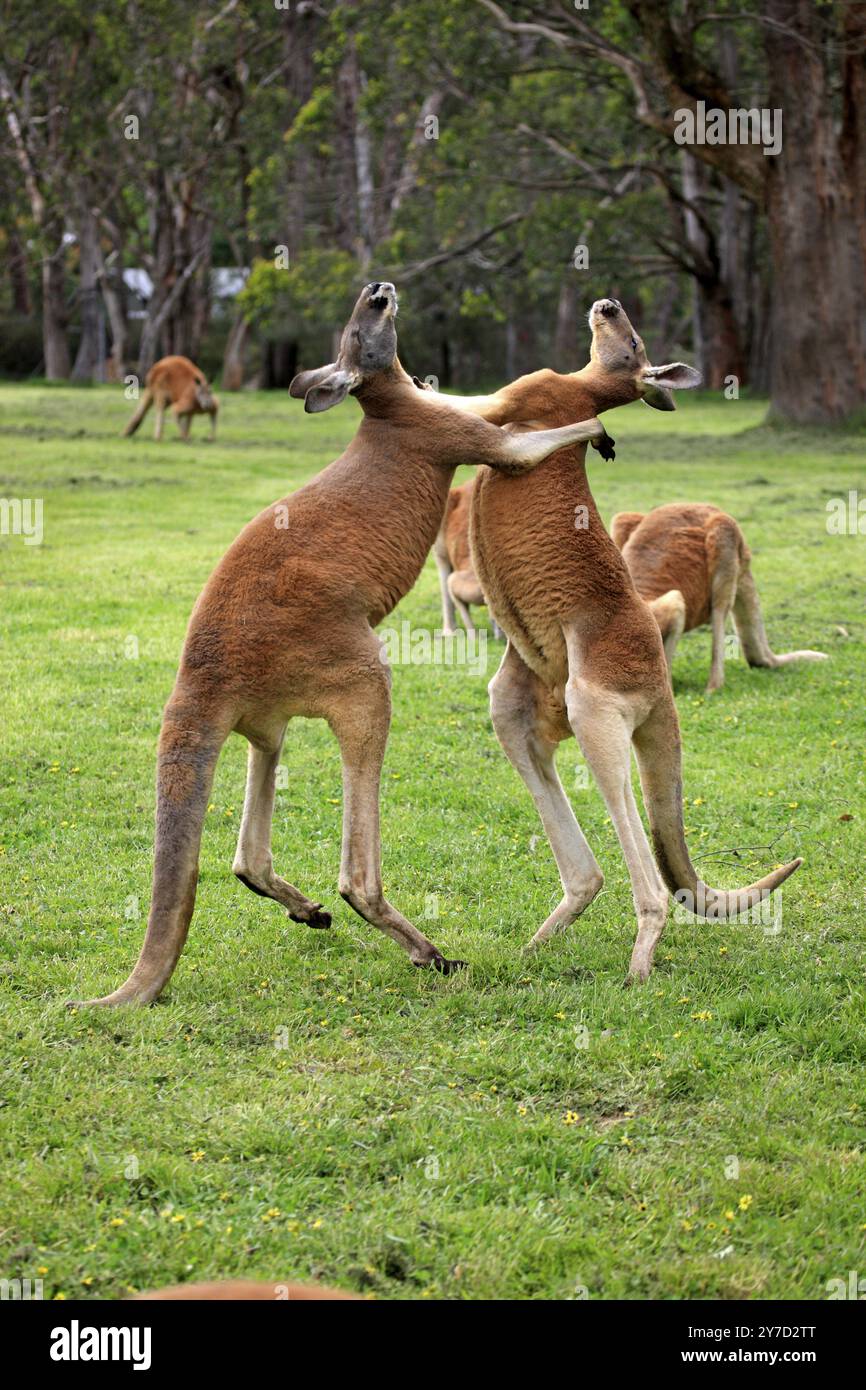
(619, 352)
(205, 398)
(368, 346)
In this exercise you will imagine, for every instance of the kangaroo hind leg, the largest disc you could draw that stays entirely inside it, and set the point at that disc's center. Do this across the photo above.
(723, 564)
(192, 735)
(253, 862)
(603, 721)
(517, 707)
(360, 718)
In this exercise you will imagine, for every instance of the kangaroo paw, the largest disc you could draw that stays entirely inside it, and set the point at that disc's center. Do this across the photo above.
(316, 917)
(440, 964)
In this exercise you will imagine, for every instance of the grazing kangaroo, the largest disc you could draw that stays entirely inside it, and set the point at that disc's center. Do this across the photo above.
(284, 627)
(584, 653)
(691, 563)
(177, 382)
(457, 579)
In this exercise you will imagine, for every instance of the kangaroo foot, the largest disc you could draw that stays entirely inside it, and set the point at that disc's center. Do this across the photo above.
(126, 995)
(440, 964)
(315, 917)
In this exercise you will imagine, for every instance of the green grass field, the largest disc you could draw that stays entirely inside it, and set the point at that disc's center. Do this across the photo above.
(304, 1103)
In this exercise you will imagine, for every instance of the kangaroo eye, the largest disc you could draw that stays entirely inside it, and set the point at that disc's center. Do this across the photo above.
(634, 344)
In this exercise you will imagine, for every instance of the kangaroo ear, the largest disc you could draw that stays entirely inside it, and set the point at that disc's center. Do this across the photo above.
(335, 388)
(657, 383)
(304, 380)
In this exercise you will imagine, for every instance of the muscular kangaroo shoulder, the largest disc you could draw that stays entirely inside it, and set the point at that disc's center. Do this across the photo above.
(529, 399)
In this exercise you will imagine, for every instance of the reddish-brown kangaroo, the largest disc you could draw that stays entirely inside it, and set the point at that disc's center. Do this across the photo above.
(284, 627)
(584, 653)
(179, 383)
(458, 581)
(691, 563)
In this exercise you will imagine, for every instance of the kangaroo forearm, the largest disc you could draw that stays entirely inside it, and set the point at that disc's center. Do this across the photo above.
(518, 453)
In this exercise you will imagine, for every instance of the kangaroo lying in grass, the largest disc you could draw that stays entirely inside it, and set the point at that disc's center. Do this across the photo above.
(691, 563)
(584, 652)
(284, 628)
(179, 383)
(457, 579)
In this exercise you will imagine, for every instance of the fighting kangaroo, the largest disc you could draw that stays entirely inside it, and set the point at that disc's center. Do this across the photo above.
(458, 581)
(691, 563)
(179, 383)
(284, 627)
(584, 653)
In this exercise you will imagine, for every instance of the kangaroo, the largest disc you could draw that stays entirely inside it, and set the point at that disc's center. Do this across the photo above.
(457, 579)
(177, 382)
(584, 653)
(284, 628)
(245, 1291)
(691, 563)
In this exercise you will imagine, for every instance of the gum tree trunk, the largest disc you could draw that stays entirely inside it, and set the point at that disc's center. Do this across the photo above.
(55, 340)
(818, 365)
(88, 359)
(813, 191)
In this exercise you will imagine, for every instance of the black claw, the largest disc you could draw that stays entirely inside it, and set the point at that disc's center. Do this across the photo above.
(448, 967)
(605, 447)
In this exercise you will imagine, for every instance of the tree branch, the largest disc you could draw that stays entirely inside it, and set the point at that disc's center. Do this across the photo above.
(413, 271)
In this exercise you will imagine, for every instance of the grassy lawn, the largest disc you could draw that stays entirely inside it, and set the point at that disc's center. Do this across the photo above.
(304, 1103)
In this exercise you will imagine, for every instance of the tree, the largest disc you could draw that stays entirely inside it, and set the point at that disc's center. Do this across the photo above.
(813, 192)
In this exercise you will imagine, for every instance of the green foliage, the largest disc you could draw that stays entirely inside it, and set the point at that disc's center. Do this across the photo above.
(313, 293)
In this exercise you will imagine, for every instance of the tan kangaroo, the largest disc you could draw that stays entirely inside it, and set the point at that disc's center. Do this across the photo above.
(284, 627)
(458, 581)
(179, 383)
(584, 653)
(691, 563)
(247, 1290)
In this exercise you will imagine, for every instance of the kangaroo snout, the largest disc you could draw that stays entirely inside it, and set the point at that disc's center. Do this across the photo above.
(609, 308)
(381, 294)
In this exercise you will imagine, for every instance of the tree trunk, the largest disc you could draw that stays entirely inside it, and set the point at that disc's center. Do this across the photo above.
(195, 314)
(511, 371)
(718, 348)
(279, 364)
(179, 268)
(18, 282)
(720, 337)
(233, 358)
(301, 26)
(55, 341)
(568, 316)
(818, 367)
(89, 365)
(111, 285)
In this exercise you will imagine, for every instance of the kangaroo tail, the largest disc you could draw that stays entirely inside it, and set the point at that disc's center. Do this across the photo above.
(189, 746)
(658, 751)
(143, 407)
(749, 623)
(669, 611)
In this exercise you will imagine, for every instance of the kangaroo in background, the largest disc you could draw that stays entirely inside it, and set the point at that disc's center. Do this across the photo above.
(245, 1291)
(457, 579)
(691, 563)
(179, 383)
(284, 627)
(584, 653)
